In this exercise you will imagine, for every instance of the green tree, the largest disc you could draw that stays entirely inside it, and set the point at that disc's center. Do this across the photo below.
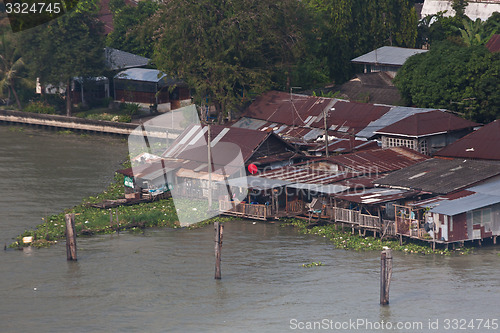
(11, 65)
(459, 7)
(453, 77)
(130, 33)
(225, 50)
(474, 33)
(348, 28)
(70, 46)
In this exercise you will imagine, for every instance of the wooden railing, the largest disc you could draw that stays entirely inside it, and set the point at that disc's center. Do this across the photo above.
(261, 212)
(355, 217)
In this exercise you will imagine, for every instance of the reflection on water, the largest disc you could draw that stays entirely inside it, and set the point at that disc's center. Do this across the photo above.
(162, 280)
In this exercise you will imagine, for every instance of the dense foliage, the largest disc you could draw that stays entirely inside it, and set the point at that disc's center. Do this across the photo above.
(70, 46)
(454, 77)
(130, 34)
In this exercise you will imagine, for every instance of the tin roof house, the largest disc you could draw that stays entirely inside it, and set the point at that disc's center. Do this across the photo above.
(452, 191)
(425, 132)
(150, 88)
(388, 59)
(471, 214)
(482, 144)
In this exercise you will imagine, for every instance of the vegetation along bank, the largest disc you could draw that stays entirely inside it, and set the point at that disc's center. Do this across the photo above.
(162, 213)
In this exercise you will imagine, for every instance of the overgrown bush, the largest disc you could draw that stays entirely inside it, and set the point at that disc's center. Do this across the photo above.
(40, 107)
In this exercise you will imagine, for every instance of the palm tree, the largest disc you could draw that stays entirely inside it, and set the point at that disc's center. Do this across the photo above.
(474, 33)
(10, 65)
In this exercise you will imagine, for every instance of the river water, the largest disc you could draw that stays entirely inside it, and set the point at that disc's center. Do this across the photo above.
(161, 280)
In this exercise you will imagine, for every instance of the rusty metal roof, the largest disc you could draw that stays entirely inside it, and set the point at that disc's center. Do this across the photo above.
(289, 114)
(377, 161)
(494, 43)
(427, 123)
(350, 117)
(192, 143)
(483, 144)
(284, 108)
(343, 145)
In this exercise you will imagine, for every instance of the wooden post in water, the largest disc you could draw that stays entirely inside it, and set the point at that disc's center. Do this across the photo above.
(218, 245)
(385, 275)
(70, 237)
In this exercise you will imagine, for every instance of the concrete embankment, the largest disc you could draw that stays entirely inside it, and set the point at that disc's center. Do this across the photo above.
(79, 124)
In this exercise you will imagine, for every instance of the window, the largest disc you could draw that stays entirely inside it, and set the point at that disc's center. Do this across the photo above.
(388, 142)
(482, 217)
(423, 147)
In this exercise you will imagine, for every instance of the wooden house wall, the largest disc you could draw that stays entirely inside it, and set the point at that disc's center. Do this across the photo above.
(488, 228)
(457, 228)
(142, 96)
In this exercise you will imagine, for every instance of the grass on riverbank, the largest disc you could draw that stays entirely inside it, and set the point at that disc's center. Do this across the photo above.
(343, 239)
(90, 220)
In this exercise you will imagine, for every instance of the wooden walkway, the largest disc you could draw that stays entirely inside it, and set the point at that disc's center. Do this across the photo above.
(80, 124)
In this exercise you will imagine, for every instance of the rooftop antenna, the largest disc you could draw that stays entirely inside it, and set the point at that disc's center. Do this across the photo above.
(293, 106)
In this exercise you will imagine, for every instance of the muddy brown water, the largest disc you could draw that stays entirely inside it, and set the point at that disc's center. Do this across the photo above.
(161, 280)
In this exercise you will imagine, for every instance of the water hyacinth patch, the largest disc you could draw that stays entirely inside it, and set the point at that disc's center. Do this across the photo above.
(345, 240)
(313, 264)
(91, 220)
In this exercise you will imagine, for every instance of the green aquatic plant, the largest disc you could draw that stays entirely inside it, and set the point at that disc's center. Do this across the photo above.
(313, 264)
(344, 239)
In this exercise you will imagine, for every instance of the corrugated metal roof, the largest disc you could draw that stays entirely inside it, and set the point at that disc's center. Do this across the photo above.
(483, 143)
(494, 43)
(375, 196)
(299, 112)
(427, 123)
(250, 123)
(465, 204)
(325, 189)
(387, 55)
(259, 183)
(303, 174)
(192, 143)
(117, 59)
(351, 117)
(441, 176)
(343, 145)
(147, 75)
(394, 115)
(141, 74)
(285, 108)
(378, 160)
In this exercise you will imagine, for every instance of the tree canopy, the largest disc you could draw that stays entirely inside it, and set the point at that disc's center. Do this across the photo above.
(227, 49)
(67, 47)
(130, 34)
(453, 77)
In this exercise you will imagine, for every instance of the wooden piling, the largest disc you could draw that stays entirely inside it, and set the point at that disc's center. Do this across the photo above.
(385, 275)
(218, 245)
(70, 237)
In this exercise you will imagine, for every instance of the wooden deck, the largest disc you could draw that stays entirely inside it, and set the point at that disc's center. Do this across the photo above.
(253, 211)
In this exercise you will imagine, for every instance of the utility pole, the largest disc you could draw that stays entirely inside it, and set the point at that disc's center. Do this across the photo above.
(209, 170)
(325, 114)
